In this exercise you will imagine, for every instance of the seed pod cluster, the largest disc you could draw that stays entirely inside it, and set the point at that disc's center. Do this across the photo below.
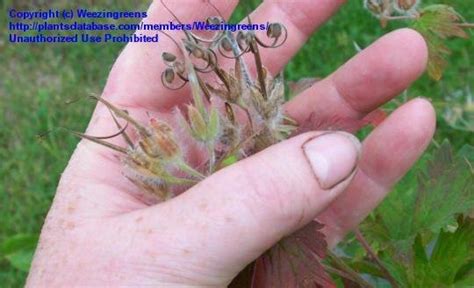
(231, 115)
(384, 9)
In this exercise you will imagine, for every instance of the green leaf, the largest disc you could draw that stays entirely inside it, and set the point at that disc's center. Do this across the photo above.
(467, 153)
(453, 251)
(18, 250)
(229, 160)
(421, 274)
(426, 200)
(437, 23)
(408, 222)
(21, 260)
(445, 190)
(18, 242)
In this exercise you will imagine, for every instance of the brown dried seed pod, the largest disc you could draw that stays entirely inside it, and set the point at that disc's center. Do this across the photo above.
(229, 111)
(226, 45)
(242, 40)
(213, 20)
(179, 66)
(198, 53)
(169, 75)
(164, 140)
(404, 6)
(377, 7)
(168, 57)
(274, 30)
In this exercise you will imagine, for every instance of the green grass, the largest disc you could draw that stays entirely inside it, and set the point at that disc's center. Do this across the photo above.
(37, 80)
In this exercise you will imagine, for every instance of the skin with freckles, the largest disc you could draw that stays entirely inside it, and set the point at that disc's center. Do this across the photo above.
(99, 233)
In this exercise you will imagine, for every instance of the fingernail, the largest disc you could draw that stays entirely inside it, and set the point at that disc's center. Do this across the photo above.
(332, 156)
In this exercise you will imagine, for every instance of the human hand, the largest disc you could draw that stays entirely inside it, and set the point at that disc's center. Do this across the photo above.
(98, 233)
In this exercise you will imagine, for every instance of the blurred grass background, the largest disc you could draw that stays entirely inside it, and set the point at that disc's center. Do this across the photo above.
(36, 81)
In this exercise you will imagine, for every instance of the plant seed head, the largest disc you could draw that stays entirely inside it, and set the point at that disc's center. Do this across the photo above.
(179, 66)
(214, 20)
(274, 30)
(377, 7)
(169, 75)
(406, 6)
(168, 57)
(197, 123)
(161, 143)
(226, 45)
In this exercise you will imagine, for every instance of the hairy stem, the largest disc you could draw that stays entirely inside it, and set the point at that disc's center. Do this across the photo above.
(465, 25)
(190, 170)
(349, 273)
(212, 157)
(375, 258)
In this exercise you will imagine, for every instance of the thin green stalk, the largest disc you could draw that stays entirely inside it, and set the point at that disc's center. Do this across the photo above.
(212, 157)
(375, 258)
(353, 275)
(190, 170)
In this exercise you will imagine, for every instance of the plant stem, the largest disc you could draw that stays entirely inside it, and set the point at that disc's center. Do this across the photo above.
(212, 157)
(375, 258)
(390, 18)
(190, 170)
(347, 271)
(466, 25)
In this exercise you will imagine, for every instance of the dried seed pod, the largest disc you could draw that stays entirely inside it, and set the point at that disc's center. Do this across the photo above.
(274, 30)
(242, 40)
(226, 45)
(169, 75)
(179, 66)
(164, 139)
(198, 53)
(214, 20)
(406, 6)
(168, 57)
(378, 8)
(229, 111)
(197, 124)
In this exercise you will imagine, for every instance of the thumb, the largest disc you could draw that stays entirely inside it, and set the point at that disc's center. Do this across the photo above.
(232, 217)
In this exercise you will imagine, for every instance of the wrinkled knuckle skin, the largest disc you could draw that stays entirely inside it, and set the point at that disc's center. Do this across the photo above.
(273, 194)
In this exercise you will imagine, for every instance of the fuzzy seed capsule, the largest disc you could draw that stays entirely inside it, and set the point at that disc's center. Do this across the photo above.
(163, 140)
(404, 6)
(198, 124)
(377, 7)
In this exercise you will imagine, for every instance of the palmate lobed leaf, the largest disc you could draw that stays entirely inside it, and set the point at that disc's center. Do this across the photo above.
(437, 23)
(18, 250)
(452, 251)
(294, 261)
(445, 190)
(458, 248)
(409, 226)
(425, 200)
